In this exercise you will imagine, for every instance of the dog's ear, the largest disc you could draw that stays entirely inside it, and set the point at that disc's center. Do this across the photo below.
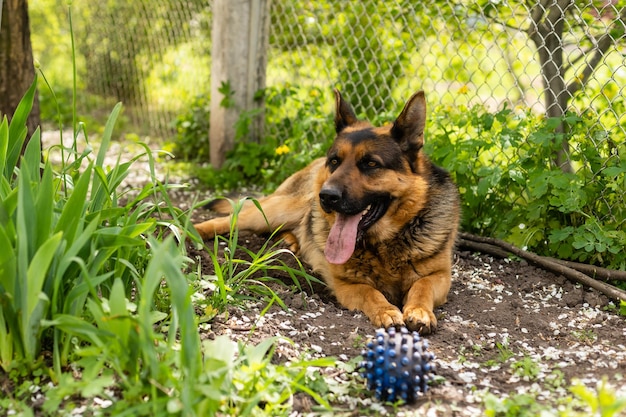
(408, 129)
(344, 115)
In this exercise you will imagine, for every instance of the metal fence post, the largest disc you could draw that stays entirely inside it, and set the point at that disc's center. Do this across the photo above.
(239, 56)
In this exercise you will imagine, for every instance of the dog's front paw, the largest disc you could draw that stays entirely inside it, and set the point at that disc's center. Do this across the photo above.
(388, 317)
(420, 319)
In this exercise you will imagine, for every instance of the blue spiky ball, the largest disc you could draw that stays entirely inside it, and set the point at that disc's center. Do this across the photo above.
(397, 365)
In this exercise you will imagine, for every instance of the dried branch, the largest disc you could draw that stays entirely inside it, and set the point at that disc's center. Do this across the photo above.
(501, 248)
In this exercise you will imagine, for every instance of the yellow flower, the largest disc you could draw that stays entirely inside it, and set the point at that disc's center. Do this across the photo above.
(282, 149)
(464, 89)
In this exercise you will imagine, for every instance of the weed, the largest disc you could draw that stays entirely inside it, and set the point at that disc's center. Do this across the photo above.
(236, 280)
(527, 368)
(520, 405)
(504, 352)
(556, 379)
(586, 336)
(242, 380)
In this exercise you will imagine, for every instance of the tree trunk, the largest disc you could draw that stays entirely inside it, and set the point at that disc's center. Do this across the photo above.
(17, 71)
(546, 31)
(240, 36)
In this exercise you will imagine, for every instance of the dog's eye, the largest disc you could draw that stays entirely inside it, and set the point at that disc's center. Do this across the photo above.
(370, 164)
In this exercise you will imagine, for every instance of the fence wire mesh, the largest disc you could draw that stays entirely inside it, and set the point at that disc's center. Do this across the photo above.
(460, 53)
(153, 55)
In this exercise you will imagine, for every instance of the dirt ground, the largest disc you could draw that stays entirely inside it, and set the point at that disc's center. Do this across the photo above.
(508, 328)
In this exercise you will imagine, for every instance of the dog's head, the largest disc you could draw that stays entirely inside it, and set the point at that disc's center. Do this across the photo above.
(368, 171)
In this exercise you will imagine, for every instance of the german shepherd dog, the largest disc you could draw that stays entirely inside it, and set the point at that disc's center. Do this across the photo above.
(375, 218)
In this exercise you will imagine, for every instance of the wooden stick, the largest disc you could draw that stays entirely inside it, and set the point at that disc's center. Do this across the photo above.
(495, 248)
(549, 264)
(593, 271)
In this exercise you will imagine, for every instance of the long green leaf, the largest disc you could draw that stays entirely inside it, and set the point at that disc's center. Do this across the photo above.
(25, 232)
(6, 344)
(69, 258)
(38, 269)
(8, 263)
(18, 130)
(7, 285)
(4, 144)
(74, 208)
(32, 153)
(108, 132)
(78, 327)
(44, 203)
(35, 307)
(32, 329)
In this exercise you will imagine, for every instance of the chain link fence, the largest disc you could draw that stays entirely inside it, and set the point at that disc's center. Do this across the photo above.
(152, 55)
(155, 54)
(492, 53)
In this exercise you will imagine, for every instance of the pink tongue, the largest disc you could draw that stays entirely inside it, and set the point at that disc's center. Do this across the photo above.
(342, 238)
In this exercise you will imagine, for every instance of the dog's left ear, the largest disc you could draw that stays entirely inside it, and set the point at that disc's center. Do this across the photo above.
(408, 129)
(344, 115)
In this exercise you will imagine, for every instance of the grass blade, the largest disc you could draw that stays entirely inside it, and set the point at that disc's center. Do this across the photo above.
(108, 132)
(73, 209)
(18, 130)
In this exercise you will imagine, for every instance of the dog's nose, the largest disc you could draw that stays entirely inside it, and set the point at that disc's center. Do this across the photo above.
(330, 198)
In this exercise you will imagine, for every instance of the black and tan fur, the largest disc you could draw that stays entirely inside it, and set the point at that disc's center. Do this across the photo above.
(400, 267)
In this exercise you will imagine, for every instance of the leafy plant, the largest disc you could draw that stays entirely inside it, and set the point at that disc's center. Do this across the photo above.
(242, 380)
(521, 405)
(298, 131)
(192, 130)
(503, 165)
(603, 401)
(122, 336)
(526, 368)
(237, 280)
(68, 246)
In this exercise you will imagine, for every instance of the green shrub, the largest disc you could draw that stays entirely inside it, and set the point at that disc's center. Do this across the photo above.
(511, 189)
(192, 131)
(310, 130)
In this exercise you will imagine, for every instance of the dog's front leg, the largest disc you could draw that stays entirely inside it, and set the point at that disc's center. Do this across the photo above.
(424, 295)
(370, 301)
